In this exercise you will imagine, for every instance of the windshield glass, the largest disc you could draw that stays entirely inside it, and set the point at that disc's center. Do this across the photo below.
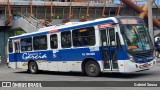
(136, 37)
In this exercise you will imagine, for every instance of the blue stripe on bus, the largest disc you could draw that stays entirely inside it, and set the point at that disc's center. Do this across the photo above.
(65, 29)
(73, 54)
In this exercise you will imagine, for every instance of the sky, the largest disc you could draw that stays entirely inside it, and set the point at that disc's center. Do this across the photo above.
(157, 1)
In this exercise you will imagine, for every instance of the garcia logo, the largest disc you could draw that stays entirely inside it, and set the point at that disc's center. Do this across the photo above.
(27, 56)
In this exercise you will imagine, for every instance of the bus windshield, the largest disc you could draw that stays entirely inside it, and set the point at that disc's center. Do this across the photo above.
(136, 37)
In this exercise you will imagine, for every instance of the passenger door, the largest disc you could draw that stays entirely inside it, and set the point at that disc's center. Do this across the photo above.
(53, 63)
(17, 54)
(65, 52)
(109, 50)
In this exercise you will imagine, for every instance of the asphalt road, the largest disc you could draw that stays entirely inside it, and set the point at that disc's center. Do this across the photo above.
(8, 74)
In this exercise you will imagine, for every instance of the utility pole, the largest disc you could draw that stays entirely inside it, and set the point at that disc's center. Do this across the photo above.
(31, 10)
(150, 21)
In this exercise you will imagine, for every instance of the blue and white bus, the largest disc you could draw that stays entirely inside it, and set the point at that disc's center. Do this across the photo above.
(114, 44)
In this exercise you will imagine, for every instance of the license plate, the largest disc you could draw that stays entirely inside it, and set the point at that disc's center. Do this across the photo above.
(145, 65)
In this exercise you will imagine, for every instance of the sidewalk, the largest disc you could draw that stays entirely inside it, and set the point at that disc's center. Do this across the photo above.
(158, 60)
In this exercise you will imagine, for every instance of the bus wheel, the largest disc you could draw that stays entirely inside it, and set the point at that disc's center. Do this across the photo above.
(92, 68)
(33, 68)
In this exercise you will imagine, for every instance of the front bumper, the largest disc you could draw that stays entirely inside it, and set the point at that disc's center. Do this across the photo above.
(133, 67)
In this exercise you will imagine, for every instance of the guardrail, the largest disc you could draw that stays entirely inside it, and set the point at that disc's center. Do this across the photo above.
(34, 21)
(31, 20)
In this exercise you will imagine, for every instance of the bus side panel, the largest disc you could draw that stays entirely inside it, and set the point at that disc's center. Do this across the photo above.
(53, 61)
(41, 57)
(74, 57)
(79, 54)
(122, 57)
(12, 61)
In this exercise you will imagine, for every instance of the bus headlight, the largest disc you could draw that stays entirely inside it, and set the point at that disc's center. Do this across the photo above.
(131, 58)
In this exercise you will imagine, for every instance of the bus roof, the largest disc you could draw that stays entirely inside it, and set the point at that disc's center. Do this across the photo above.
(66, 27)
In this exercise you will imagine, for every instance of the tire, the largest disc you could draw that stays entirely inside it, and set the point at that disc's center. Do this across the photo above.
(92, 68)
(33, 68)
(28, 70)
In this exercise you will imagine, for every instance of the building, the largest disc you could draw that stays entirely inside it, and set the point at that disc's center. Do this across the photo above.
(56, 12)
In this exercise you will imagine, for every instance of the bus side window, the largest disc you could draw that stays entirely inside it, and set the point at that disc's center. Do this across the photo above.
(36, 42)
(10, 46)
(83, 37)
(53, 41)
(40, 42)
(26, 44)
(43, 42)
(66, 39)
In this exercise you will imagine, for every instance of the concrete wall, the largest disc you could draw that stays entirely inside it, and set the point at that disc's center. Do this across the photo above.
(2, 50)
(6, 32)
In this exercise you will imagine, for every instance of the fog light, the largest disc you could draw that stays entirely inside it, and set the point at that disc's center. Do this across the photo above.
(131, 58)
(121, 64)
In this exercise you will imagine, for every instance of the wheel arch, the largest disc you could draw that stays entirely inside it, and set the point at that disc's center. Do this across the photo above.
(32, 61)
(85, 61)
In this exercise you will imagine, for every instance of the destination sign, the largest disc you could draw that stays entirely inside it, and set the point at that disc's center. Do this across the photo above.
(129, 21)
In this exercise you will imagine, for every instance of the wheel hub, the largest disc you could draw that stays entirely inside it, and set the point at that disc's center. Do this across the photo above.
(33, 68)
(92, 68)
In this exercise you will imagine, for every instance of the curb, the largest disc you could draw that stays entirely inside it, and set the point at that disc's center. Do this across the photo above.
(3, 63)
(158, 61)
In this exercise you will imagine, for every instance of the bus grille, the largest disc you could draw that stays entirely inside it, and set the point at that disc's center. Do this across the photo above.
(143, 54)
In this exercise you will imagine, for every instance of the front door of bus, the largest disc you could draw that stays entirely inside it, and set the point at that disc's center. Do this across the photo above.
(109, 50)
(17, 54)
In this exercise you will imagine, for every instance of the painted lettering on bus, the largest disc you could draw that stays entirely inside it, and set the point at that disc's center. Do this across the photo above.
(33, 56)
